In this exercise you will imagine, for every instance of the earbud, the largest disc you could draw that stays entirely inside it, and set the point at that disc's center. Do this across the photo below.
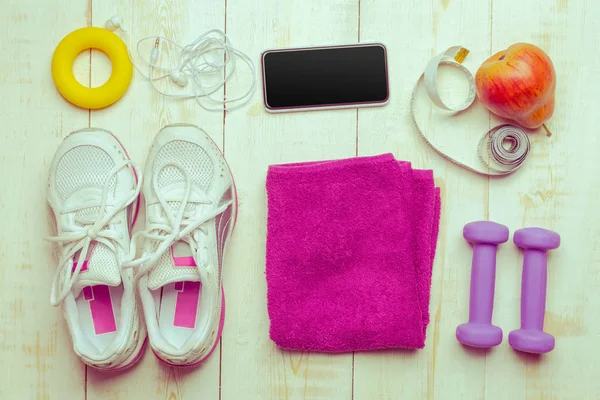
(178, 77)
(114, 23)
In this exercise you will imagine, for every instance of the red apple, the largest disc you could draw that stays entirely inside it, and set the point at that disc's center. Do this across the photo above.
(519, 84)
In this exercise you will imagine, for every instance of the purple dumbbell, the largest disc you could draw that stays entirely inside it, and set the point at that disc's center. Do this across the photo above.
(531, 338)
(479, 331)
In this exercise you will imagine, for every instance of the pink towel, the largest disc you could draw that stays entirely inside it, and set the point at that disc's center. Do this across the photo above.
(350, 248)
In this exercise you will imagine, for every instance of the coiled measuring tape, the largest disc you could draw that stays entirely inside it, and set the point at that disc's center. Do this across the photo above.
(500, 160)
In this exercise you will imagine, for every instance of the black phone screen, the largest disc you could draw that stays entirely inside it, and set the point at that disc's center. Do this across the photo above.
(329, 76)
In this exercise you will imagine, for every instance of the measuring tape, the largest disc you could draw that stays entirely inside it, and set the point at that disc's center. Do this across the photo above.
(501, 160)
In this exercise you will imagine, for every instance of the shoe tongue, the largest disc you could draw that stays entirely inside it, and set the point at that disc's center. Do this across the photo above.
(100, 267)
(177, 264)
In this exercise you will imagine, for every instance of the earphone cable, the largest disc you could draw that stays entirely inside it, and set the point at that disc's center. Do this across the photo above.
(194, 65)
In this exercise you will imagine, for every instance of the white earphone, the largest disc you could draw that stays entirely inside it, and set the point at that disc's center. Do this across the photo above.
(194, 65)
(178, 77)
(114, 23)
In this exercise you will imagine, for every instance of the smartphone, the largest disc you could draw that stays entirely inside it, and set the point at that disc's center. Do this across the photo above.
(331, 77)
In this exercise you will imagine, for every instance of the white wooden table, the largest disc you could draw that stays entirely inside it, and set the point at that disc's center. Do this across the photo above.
(558, 189)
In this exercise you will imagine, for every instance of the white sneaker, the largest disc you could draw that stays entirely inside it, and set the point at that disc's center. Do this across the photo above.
(92, 188)
(191, 206)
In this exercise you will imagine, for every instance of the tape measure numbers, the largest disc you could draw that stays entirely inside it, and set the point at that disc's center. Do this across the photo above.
(500, 160)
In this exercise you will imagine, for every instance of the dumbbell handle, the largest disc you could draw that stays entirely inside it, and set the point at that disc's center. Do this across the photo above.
(533, 289)
(483, 277)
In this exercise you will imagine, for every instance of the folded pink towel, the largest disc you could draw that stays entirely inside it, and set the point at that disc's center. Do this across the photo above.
(350, 248)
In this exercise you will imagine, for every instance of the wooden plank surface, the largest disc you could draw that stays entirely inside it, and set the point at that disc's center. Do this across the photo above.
(136, 119)
(37, 360)
(432, 372)
(556, 189)
(252, 366)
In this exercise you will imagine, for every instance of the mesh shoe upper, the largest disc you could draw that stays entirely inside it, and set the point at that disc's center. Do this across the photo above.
(91, 190)
(194, 161)
(80, 168)
(188, 191)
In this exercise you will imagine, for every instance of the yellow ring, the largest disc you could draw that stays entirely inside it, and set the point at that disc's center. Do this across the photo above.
(62, 67)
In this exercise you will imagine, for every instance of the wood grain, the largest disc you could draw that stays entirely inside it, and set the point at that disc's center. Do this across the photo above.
(252, 366)
(443, 366)
(556, 189)
(136, 119)
(35, 351)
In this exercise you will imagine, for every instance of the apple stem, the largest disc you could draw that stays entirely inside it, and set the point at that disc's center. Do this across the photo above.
(548, 133)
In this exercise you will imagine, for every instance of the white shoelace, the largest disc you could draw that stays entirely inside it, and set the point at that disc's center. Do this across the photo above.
(178, 227)
(90, 231)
